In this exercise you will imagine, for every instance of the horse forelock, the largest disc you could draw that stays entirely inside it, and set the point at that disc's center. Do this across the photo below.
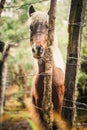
(39, 17)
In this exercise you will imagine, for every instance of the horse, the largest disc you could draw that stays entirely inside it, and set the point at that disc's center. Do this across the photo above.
(39, 28)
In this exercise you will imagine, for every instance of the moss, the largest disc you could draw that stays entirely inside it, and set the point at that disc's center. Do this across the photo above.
(71, 27)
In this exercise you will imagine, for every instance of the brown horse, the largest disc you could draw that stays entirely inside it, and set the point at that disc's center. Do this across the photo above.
(38, 40)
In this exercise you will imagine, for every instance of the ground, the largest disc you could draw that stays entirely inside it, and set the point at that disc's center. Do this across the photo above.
(18, 113)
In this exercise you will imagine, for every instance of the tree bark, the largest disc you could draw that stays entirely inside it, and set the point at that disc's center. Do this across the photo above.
(3, 72)
(3, 75)
(2, 3)
(76, 19)
(47, 95)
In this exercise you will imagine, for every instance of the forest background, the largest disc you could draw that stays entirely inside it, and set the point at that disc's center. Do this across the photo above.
(14, 28)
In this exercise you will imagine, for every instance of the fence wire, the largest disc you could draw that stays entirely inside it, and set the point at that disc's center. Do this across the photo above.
(76, 103)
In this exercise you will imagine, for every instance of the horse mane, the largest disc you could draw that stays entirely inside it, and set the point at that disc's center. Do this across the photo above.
(57, 55)
(39, 17)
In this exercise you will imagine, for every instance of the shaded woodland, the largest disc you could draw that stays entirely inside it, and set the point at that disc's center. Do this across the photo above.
(21, 67)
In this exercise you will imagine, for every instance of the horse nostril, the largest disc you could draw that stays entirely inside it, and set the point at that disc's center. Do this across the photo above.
(33, 50)
(39, 50)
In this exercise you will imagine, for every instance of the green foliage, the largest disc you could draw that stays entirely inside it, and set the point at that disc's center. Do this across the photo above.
(32, 124)
(62, 25)
(15, 29)
(83, 71)
(82, 77)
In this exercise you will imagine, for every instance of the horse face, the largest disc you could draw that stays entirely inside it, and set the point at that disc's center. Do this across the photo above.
(38, 40)
(38, 35)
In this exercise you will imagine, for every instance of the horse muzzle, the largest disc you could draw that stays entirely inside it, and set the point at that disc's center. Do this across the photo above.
(38, 51)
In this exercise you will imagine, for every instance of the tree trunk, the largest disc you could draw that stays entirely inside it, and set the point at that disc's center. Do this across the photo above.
(3, 75)
(2, 3)
(3, 72)
(76, 20)
(47, 95)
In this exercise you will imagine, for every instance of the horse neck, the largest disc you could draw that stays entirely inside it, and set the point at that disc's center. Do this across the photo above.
(41, 66)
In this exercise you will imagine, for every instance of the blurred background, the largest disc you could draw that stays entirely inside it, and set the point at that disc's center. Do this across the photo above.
(14, 29)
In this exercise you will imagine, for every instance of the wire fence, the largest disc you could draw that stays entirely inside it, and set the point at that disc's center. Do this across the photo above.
(77, 105)
(34, 2)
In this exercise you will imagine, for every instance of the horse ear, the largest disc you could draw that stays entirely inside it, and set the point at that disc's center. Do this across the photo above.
(31, 10)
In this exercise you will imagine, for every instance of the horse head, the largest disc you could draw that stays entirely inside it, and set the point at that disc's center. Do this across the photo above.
(38, 32)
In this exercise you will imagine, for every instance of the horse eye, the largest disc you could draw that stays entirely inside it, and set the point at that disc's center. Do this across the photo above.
(31, 27)
(31, 38)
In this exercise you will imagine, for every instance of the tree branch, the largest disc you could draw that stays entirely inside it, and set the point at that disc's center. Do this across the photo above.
(2, 3)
